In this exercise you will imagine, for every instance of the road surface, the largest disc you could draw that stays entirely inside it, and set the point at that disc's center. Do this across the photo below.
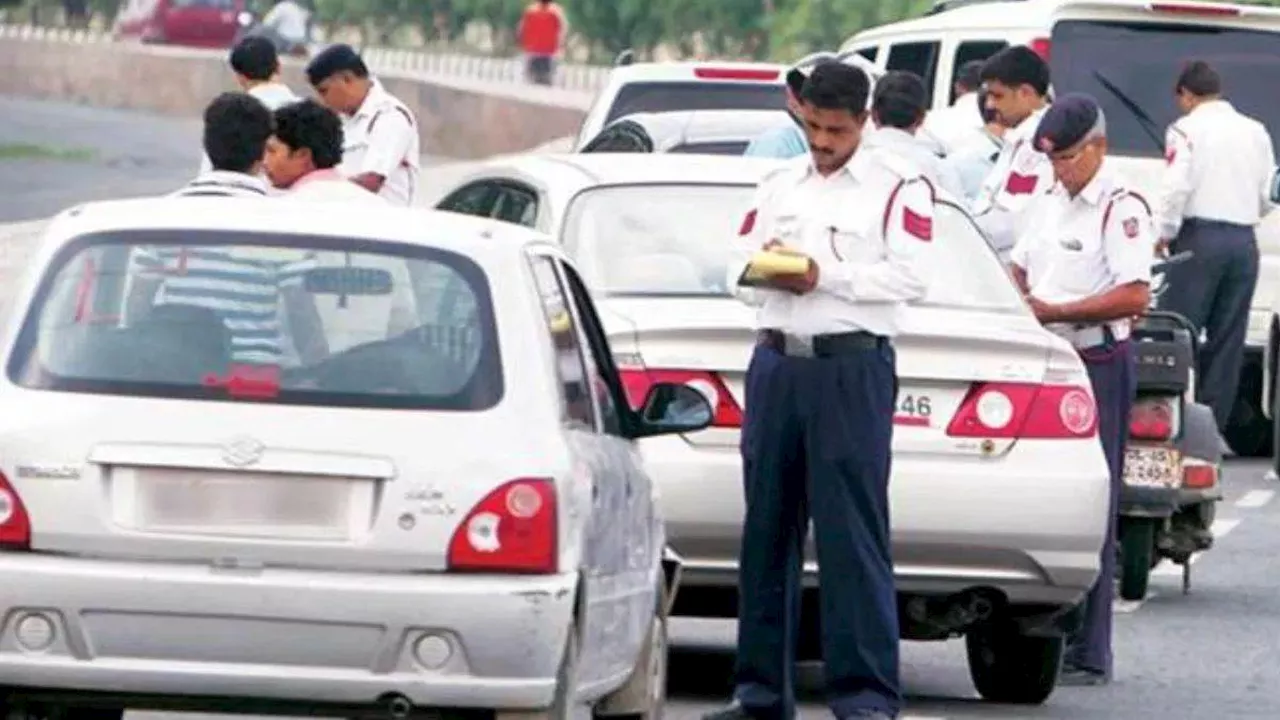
(1211, 654)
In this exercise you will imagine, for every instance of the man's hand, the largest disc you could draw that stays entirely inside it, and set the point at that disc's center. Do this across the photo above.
(798, 284)
(1044, 312)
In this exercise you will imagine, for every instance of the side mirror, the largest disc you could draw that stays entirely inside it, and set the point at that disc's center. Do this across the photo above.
(672, 409)
(624, 58)
(1274, 195)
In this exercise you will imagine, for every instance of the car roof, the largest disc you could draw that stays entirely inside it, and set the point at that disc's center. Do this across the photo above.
(702, 125)
(1003, 14)
(592, 169)
(413, 226)
(684, 71)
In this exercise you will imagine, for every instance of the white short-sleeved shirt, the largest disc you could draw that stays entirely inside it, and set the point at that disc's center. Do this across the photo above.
(1078, 247)
(382, 138)
(1020, 173)
(869, 228)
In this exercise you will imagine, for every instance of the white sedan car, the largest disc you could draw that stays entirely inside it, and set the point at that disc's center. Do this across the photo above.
(1000, 488)
(300, 458)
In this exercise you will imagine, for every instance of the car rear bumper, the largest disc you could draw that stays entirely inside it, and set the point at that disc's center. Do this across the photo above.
(957, 523)
(151, 629)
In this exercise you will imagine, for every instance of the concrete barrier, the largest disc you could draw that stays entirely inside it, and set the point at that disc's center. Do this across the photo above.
(460, 118)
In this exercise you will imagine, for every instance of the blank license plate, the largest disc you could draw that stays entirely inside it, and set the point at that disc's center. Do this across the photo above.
(1152, 467)
(246, 505)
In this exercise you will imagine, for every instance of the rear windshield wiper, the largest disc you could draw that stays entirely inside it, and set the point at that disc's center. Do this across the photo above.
(1148, 125)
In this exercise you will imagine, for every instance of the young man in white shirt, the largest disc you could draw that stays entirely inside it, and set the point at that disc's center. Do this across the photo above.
(301, 158)
(288, 21)
(256, 66)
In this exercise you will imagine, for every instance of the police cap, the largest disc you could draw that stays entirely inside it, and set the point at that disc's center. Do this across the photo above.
(1071, 119)
(333, 60)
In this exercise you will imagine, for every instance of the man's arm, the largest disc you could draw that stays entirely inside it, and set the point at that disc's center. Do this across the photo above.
(1266, 150)
(902, 274)
(1175, 185)
(752, 237)
(389, 142)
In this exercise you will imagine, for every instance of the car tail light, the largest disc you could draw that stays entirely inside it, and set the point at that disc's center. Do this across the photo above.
(725, 410)
(722, 73)
(1151, 419)
(511, 530)
(15, 525)
(1040, 46)
(1199, 476)
(1195, 9)
(1025, 410)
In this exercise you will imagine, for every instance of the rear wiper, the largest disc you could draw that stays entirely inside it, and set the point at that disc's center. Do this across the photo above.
(1144, 120)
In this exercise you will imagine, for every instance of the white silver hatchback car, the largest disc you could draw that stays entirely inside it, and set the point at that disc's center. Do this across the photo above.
(303, 458)
(999, 490)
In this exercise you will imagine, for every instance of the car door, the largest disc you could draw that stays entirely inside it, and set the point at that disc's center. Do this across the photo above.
(635, 538)
(477, 198)
(585, 421)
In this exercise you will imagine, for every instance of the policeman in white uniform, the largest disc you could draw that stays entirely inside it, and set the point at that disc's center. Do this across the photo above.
(1216, 190)
(820, 397)
(1084, 264)
(381, 150)
(1016, 80)
(898, 108)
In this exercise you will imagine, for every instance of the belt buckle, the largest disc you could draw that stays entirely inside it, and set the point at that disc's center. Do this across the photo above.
(797, 346)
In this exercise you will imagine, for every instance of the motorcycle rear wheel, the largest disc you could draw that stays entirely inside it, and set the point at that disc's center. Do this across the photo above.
(1137, 556)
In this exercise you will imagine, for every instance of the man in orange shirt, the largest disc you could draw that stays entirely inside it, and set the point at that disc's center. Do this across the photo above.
(542, 29)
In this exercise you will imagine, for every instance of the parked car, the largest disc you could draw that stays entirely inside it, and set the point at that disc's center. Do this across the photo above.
(703, 132)
(442, 511)
(1000, 489)
(194, 23)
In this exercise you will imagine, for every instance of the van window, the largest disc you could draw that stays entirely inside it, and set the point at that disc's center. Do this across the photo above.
(969, 51)
(670, 96)
(920, 58)
(869, 53)
(1130, 67)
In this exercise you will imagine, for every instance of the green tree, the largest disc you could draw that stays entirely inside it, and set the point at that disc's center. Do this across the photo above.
(611, 26)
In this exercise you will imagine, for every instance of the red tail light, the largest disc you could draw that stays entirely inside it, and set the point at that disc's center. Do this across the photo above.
(1025, 410)
(721, 73)
(511, 530)
(725, 410)
(1040, 46)
(1199, 477)
(1151, 420)
(1192, 9)
(15, 525)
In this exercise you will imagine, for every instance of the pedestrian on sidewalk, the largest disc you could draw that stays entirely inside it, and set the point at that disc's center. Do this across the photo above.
(541, 31)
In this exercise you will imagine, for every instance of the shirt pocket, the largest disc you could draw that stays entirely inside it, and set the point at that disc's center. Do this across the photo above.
(1075, 261)
(850, 235)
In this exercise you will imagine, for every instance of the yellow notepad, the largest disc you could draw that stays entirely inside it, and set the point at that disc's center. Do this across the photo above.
(766, 263)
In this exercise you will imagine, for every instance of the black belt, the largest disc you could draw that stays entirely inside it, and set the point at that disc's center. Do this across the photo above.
(831, 345)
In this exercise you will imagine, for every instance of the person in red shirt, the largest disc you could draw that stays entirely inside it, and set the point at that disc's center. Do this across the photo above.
(541, 32)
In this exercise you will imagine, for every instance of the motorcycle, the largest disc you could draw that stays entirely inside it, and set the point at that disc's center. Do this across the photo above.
(1173, 459)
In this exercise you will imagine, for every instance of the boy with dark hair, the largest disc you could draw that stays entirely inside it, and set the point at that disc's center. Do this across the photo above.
(236, 128)
(381, 151)
(304, 151)
(256, 67)
(955, 126)
(1016, 80)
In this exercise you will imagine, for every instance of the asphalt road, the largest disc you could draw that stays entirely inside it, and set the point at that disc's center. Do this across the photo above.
(1214, 653)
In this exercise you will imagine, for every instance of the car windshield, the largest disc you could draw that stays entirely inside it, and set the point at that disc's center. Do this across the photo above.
(676, 241)
(270, 318)
(671, 96)
(1131, 67)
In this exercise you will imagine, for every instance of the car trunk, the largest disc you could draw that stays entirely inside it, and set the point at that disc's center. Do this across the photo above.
(201, 22)
(251, 484)
(946, 352)
(1128, 57)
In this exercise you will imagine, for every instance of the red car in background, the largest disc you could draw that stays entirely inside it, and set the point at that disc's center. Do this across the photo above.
(195, 23)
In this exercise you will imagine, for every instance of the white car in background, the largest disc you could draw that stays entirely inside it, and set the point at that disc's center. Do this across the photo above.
(448, 513)
(1000, 488)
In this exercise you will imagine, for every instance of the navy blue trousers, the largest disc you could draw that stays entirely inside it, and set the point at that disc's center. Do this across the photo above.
(1214, 290)
(816, 443)
(1114, 379)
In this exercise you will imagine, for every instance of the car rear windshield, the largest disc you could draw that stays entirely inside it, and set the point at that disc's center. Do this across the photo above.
(1131, 68)
(669, 96)
(268, 318)
(676, 240)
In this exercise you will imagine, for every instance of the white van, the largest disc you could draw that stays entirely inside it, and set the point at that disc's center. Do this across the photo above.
(1127, 54)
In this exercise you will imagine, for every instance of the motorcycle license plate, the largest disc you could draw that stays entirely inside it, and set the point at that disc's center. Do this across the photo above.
(1152, 467)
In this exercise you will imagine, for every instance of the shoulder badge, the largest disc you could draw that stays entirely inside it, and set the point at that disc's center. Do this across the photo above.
(1130, 227)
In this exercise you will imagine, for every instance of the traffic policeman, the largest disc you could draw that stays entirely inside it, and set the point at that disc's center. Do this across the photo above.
(1084, 264)
(820, 397)
(381, 150)
(1016, 81)
(1215, 191)
(898, 107)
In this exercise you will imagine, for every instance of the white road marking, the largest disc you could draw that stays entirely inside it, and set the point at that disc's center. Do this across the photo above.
(1255, 498)
(1220, 528)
